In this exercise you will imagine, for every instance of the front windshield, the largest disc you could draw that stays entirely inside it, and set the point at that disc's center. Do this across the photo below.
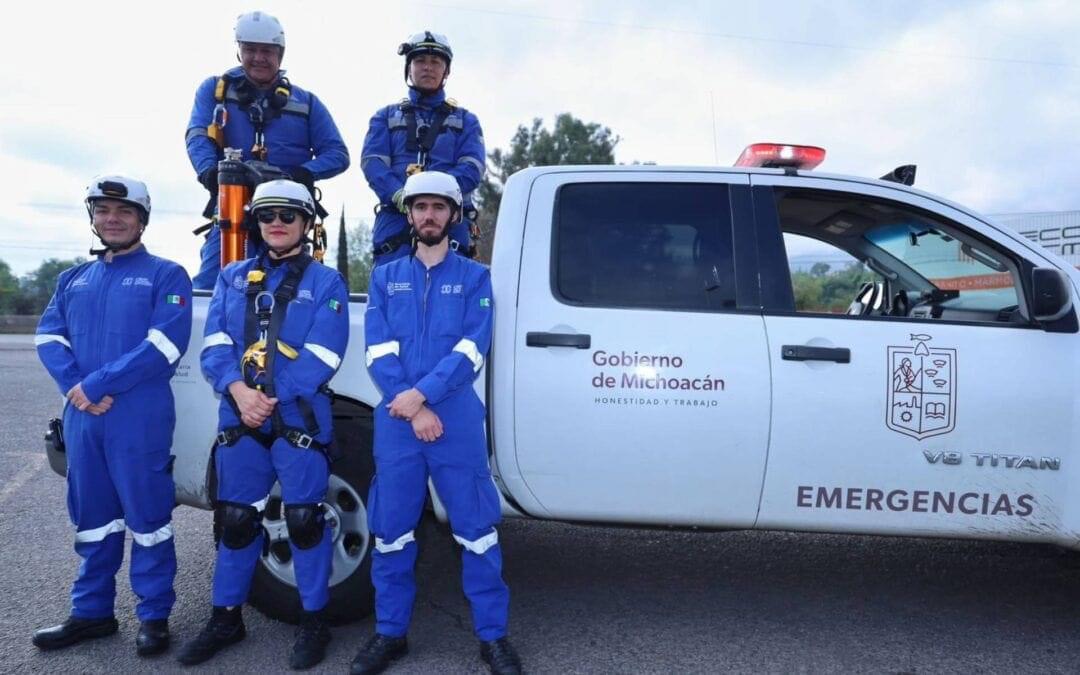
(979, 275)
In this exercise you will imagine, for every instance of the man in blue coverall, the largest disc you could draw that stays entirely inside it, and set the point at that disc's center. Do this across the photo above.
(425, 132)
(254, 108)
(111, 338)
(276, 332)
(427, 328)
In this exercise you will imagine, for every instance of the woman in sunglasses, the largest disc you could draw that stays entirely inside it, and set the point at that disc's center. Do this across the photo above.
(275, 334)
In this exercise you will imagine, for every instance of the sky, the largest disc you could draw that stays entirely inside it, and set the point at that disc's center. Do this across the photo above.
(982, 96)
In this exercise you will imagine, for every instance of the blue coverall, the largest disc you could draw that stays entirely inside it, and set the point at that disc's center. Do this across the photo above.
(302, 135)
(458, 151)
(316, 325)
(120, 328)
(430, 329)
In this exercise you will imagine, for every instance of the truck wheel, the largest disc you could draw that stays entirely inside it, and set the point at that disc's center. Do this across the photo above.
(273, 589)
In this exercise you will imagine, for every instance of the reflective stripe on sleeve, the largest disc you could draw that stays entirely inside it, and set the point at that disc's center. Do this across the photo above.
(385, 159)
(195, 132)
(481, 545)
(380, 350)
(475, 162)
(46, 338)
(164, 345)
(325, 355)
(215, 339)
(99, 533)
(396, 545)
(153, 538)
(468, 348)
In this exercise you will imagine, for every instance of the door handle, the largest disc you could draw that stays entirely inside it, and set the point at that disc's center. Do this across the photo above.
(804, 353)
(579, 340)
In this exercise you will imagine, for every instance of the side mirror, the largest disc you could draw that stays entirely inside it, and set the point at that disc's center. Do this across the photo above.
(1052, 299)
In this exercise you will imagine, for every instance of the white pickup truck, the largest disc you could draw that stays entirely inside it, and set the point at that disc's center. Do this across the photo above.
(657, 361)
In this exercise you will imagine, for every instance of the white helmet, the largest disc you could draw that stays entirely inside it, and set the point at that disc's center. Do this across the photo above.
(261, 28)
(284, 193)
(121, 188)
(432, 183)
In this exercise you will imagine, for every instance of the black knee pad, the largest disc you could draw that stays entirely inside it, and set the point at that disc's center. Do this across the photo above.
(241, 524)
(306, 524)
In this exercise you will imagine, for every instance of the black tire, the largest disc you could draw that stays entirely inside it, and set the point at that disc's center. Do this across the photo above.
(351, 598)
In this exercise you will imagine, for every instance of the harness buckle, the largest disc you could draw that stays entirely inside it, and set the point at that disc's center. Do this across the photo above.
(301, 440)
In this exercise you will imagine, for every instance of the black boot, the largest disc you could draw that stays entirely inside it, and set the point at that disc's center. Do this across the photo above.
(153, 637)
(501, 657)
(379, 652)
(73, 631)
(312, 636)
(226, 627)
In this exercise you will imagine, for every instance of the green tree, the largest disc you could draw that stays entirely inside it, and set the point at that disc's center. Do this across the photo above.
(816, 291)
(359, 246)
(571, 141)
(37, 287)
(9, 290)
(819, 269)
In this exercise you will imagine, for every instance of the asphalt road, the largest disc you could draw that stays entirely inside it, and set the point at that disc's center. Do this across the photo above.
(585, 599)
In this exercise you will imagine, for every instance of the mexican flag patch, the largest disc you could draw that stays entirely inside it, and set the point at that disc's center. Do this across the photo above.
(175, 300)
(335, 305)
(485, 302)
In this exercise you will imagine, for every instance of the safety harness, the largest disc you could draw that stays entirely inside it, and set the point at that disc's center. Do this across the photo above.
(263, 319)
(243, 93)
(420, 138)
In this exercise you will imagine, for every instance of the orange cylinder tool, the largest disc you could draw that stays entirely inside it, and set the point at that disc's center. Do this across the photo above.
(231, 202)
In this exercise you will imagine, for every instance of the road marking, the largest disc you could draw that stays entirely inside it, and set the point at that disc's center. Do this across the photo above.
(33, 463)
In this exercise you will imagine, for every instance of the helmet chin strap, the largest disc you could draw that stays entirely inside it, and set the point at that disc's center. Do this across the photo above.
(287, 252)
(106, 247)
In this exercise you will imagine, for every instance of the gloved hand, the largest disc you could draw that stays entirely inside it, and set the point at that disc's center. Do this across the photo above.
(209, 179)
(303, 176)
(399, 200)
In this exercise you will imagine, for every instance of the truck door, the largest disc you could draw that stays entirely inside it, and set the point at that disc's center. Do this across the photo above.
(912, 391)
(641, 387)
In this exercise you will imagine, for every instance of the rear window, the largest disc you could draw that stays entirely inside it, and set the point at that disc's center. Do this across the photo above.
(651, 245)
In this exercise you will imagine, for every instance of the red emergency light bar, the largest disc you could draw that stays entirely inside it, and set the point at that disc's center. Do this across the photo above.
(781, 155)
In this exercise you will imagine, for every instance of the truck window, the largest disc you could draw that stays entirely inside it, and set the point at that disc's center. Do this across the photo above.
(652, 245)
(825, 278)
(901, 262)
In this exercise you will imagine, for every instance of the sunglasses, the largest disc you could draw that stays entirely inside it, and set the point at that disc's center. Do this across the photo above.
(267, 216)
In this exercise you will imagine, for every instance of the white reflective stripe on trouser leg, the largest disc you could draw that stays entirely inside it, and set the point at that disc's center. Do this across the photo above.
(152, 538)
(99, 533)
(46, 338)
(396, 545)
(164, 345)
(468, 348)
(215, 339)
(382, 349)
(325, 355)
(481, 545)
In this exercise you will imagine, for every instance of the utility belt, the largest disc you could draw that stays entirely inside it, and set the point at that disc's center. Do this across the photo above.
(303, 439)
(296, 437)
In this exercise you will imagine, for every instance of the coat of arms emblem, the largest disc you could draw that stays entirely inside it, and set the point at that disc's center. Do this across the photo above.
(922, 389)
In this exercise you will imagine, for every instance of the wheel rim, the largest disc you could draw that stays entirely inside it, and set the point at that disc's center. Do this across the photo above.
(347, 517)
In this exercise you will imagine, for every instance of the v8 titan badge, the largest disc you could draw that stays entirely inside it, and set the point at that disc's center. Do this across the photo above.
(922, 389)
